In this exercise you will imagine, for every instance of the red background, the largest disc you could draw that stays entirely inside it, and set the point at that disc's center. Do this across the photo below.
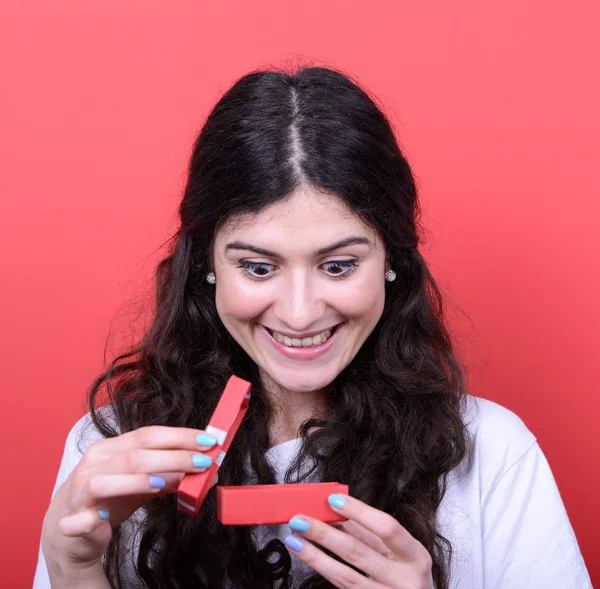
(496, 105)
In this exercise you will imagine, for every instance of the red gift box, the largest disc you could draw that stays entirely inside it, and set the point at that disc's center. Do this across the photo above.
(250, 504)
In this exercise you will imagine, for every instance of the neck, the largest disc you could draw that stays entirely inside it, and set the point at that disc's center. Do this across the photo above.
(290, 409)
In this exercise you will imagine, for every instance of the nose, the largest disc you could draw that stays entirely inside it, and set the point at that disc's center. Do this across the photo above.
(300, 304)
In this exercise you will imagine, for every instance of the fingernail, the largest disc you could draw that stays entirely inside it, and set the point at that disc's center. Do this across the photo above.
(201, 461)
(157, 482)
(298, 524)
(103, 514)
(294, 543)
(336, 501)
(206, 440)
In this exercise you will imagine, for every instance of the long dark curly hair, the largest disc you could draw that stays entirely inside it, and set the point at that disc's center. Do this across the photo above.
(395, 425)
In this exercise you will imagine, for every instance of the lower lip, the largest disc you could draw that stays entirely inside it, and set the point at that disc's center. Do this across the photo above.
(304, 353)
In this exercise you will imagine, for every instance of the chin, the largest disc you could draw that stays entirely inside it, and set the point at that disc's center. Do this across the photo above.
(302, 381)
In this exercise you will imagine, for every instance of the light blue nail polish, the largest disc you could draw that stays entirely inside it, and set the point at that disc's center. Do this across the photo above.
(294, 543)
(103, 514)
(336, 501)
(206, 440)
(157, 482)
(298, 524)
(201, 461)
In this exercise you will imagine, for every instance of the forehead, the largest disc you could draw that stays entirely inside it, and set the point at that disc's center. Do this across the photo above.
(307, 217)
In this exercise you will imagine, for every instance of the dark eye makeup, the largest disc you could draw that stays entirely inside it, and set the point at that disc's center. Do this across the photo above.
(336, 269)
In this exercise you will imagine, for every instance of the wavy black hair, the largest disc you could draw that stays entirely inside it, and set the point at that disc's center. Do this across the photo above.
(395, 424)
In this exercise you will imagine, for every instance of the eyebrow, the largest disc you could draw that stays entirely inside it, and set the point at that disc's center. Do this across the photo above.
(240, 245)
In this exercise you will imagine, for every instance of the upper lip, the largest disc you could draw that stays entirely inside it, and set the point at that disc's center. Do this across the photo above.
(301, 335)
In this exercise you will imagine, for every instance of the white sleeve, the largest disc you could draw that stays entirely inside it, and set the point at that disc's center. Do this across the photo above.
(71, 456)
(528, 540)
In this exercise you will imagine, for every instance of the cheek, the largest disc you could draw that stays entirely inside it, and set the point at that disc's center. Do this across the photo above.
(364, 303)
(239, 303)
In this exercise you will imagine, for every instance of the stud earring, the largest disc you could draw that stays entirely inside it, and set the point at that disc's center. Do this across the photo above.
(211, 278)
(390, 276)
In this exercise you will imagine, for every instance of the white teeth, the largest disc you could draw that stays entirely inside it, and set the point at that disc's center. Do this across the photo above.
(305, 342)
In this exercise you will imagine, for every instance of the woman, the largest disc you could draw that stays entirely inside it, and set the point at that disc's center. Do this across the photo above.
(296, 267)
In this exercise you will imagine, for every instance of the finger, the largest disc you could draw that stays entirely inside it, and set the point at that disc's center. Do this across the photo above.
(154, 437)
(337, 573)
(106, 486)
(142, 460)
(84, 522)
(369, 538)
(172, 480)
(383, 525)
(347, 547)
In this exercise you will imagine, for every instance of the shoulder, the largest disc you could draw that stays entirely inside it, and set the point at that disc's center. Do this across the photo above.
(80, 437)
(489, 421)
(84, 432)
(500, 438)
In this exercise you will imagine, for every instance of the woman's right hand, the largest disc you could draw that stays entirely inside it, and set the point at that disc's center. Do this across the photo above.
(115, 477)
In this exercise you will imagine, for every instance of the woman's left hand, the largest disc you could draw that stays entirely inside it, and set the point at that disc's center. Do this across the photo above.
(371, 540)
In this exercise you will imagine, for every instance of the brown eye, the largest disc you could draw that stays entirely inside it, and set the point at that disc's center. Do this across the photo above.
(257, 270)
(336, 269)
(340, 268)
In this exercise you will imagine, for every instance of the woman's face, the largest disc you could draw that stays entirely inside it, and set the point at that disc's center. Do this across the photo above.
(300, 286)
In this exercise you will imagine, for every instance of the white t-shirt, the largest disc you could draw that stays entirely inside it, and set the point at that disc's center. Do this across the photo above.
(505, 517)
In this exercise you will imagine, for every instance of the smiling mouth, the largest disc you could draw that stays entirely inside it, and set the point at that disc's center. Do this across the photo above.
(305, 342)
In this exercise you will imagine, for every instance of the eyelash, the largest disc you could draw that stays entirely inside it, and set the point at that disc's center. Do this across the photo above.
(350, 265)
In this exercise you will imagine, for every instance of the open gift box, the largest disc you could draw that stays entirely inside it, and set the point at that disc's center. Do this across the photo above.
(250, 504)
